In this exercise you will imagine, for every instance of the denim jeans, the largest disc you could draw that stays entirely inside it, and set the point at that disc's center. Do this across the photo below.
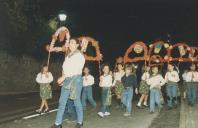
(70, 110)
(154, 99)
(127, 98)
(191, 91)
(87, 95)
(65, 93)
(104, 104)
(171, 90)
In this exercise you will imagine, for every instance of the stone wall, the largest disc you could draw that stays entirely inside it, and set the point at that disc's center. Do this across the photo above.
(17, 74)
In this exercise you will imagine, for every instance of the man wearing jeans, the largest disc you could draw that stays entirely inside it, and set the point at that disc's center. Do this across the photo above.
(72, 84)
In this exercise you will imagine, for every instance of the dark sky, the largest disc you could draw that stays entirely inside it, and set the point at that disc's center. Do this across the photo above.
(117, 24)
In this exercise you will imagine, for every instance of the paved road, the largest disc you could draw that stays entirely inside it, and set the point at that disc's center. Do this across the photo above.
(91, 120)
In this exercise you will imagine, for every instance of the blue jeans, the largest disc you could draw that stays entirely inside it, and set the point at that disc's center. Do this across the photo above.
(191, 91)
(171, 90)
(104, 105)
(87, 95)
(65, 93)
(154, 98)
(127, 98)
(70, 110)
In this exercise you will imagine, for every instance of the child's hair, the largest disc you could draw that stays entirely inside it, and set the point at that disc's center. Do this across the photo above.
(102, 67)
(42, 66)
(128, 67)
(116, 67)
(84, 69)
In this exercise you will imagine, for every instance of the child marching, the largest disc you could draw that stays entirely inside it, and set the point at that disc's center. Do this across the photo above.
(155, 81)
(106, 84)
(129, 81)
(117, 83)
(88, 82)
(44, 78)
(144, 88)
(192, 81)
(172, 79)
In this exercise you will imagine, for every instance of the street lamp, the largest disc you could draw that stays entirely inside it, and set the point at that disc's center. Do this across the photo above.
(62, 16)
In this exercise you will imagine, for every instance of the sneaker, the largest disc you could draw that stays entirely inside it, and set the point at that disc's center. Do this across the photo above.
(101, 114)
(139, 106)
(146, 105)
(127, 114)
(152, 112)
(78, 125)
(107, 114)
(56, 126)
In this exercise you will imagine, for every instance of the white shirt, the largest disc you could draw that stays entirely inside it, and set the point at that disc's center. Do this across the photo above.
(172, 77)
(106, 81)
(192, 76)
(184, 76)
(44, 78)
(118, 76)
(156, 81)
(73, 65)
(145, 76)
(88, 80)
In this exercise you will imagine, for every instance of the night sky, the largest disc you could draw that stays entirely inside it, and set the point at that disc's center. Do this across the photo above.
(117, 24)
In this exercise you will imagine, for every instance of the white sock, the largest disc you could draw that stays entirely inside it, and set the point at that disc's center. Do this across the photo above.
(139, 104)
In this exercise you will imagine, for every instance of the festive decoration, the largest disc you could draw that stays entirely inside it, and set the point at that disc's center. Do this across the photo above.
(95, 44)
(156, 48)
(138, 50)
(194, 54)
(183, 50)
(155, 60)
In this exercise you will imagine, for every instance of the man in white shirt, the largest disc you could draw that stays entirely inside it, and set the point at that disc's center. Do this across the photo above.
(191, 81)
(71, 81)
(172, 79)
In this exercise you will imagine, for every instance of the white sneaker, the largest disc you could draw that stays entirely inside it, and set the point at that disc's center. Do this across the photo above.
(101, 114)
(107, 114)
(127, 114)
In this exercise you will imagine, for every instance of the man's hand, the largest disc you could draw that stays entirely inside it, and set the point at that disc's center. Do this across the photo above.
(60, 80)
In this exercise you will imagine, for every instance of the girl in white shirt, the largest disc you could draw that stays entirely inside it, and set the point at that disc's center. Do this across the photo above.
(117, 83)
(144, 87)
(44, 78)
(172, 79)
(88, 82)
(155, 81)
(105, 84)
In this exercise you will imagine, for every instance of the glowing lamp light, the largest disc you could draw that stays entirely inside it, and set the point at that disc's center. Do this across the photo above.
(62, 16)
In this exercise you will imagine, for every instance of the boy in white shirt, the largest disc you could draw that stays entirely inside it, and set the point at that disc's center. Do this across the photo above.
(155, 81)
(88, 82)
(172, 79)
(191, 81)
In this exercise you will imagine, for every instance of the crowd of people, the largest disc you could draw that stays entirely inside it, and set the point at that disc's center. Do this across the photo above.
(76, 87)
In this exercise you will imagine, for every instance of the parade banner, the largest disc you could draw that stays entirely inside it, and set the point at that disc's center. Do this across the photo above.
(138, 47)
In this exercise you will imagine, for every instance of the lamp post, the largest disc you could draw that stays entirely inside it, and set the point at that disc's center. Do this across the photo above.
(62, 16)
